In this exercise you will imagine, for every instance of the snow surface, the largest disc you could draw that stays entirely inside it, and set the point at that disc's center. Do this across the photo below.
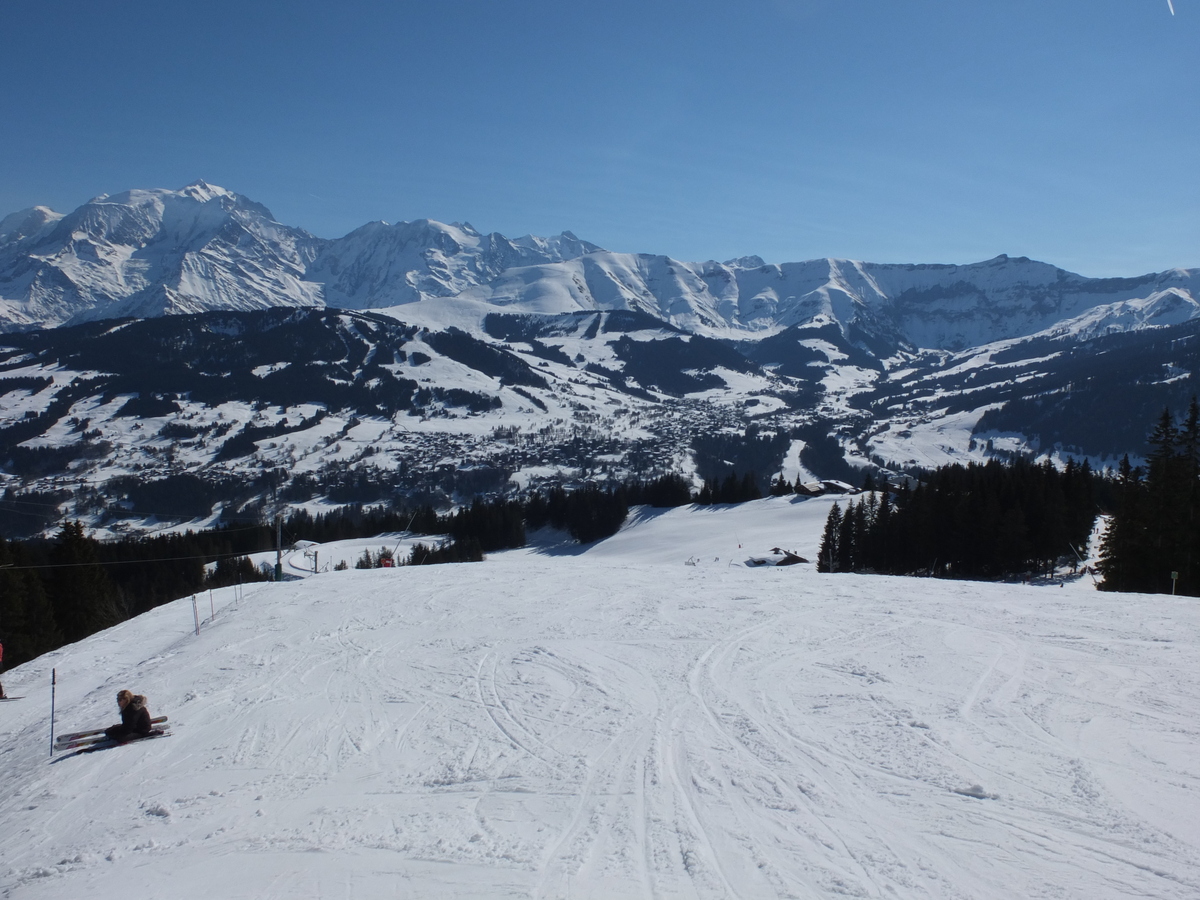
(612, 722)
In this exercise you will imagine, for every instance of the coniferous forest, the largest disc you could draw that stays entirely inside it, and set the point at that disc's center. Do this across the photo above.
(60, 590)
(989, 520)
(1155, 531)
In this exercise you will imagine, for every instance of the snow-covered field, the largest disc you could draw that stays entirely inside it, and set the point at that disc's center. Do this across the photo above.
(617, 723)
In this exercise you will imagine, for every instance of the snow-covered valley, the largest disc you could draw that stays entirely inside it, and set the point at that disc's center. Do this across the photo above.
(612, 721)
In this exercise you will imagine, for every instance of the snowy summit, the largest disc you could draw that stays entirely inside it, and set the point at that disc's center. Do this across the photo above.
(205, 248)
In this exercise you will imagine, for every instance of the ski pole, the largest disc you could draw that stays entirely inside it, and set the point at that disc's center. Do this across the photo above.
(53, 682)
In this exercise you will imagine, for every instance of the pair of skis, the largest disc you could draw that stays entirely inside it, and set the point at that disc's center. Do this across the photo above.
(81, 740)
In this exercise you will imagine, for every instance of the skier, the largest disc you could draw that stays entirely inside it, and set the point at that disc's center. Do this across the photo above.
(135, 718)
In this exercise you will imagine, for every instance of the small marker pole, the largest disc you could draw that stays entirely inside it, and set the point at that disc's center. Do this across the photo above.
(196, 615)
(211, 607)
(53, 683)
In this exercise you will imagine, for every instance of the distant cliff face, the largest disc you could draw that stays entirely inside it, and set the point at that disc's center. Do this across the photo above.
(152, 253)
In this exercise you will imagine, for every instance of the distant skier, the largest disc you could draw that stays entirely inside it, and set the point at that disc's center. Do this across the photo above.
(135, 718)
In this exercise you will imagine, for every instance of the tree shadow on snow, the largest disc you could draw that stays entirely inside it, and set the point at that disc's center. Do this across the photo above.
(555, 542)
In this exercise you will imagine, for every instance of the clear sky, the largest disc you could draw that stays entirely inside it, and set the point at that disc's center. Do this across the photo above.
(884, 130)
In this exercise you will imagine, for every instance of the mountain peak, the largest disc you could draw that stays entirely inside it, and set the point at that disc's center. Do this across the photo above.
(203, 191)
(27, 222)
(746, 262)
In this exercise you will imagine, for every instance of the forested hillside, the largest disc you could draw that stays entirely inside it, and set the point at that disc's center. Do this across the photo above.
(1153, 543)
(995, 520)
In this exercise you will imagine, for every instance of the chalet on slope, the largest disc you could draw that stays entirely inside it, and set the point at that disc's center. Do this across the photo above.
(777, 557)
(817, 488)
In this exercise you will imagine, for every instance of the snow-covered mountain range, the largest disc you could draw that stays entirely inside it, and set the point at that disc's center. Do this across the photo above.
(187, 333)
(151, 253)
(204, 248)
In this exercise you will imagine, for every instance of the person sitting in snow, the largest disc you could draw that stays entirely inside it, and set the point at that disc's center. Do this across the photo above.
(135, 718)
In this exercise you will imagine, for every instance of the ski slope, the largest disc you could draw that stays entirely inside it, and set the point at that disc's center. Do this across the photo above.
(611, 722)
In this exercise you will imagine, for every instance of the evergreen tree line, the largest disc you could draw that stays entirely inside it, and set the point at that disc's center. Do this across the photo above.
(457, 551)
(1155, 529)
(592, 512)
(990, 520)
(54, 592)
(730, 489)
(588, 513)
(719, 455)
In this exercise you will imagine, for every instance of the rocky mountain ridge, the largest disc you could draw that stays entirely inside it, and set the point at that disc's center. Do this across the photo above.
(204, 248)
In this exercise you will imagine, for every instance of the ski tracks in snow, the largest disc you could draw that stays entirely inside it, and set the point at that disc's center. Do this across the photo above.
(572, 729)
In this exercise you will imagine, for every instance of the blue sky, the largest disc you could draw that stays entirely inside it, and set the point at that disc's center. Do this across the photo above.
(913, 131)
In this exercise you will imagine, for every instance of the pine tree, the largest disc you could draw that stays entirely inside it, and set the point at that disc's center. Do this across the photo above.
(781, 487)
(867, 537)
(1156, 529)
(827, 555)
(748, 489)
(1050, 536)
(26, 616)
(1081, 505)
(1013, 546)
(847, 540)
(1166, 499)
(1189, 477)
(83, 596)
(1122, 553)
(882, 559)
(860, 523)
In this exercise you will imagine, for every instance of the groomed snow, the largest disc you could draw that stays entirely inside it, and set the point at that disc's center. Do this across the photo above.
(613, 723)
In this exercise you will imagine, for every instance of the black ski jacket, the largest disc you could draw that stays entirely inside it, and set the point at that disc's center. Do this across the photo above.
(135, 721)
